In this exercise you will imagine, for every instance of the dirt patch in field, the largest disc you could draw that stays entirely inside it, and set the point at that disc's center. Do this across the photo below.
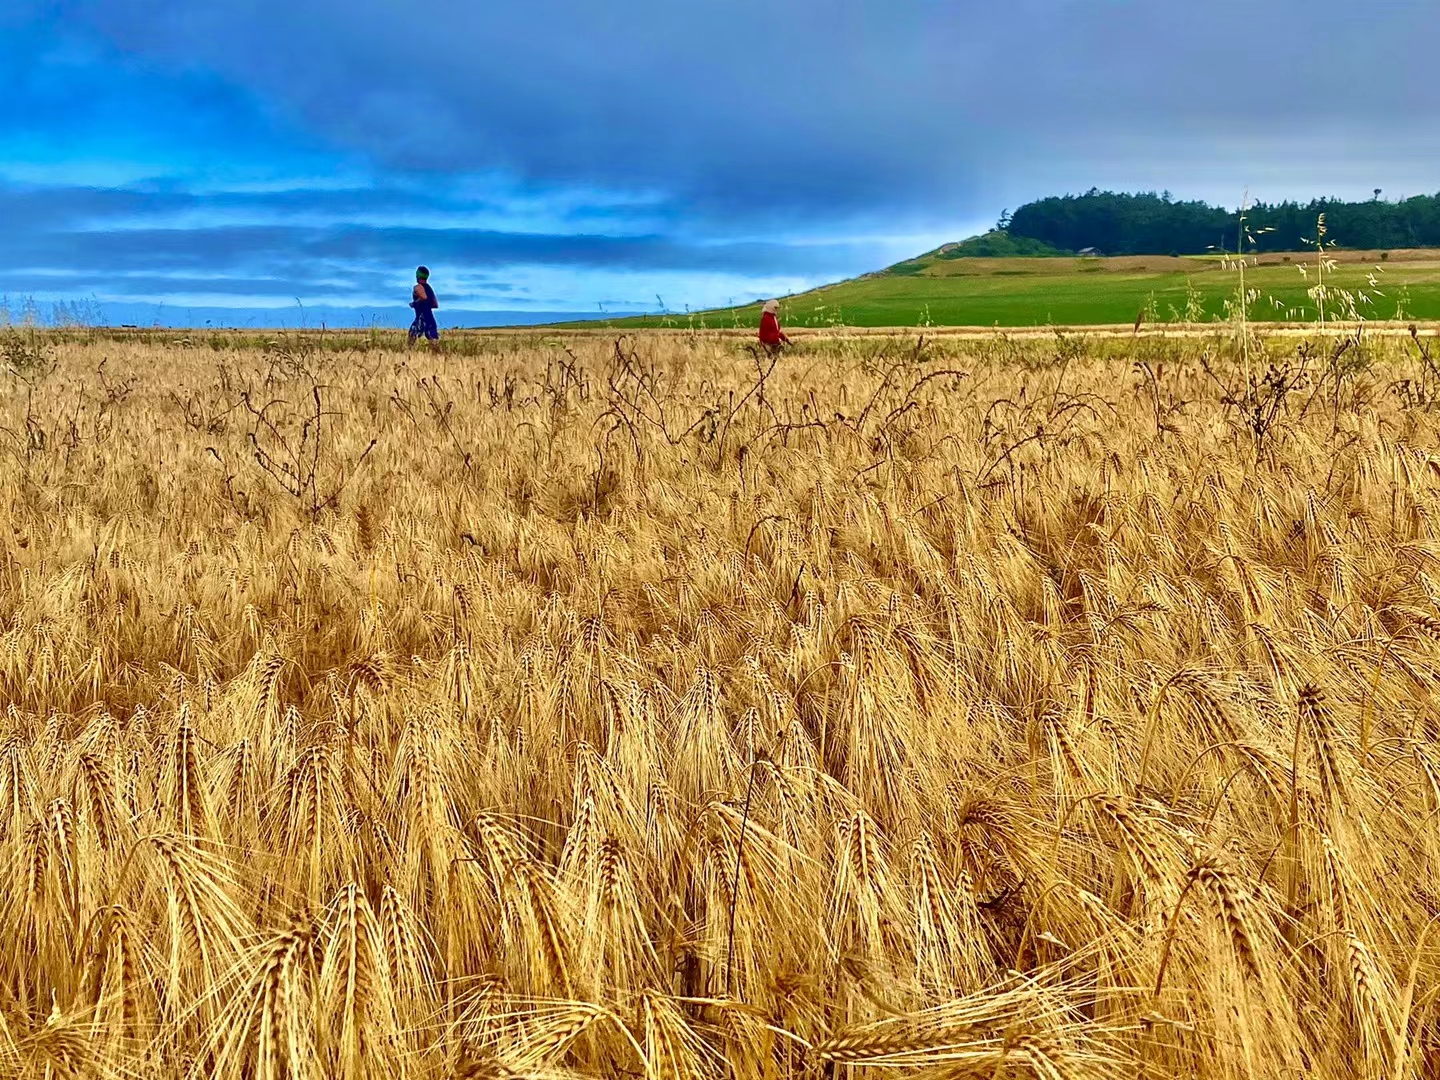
(1060, 267)
(1412, 258)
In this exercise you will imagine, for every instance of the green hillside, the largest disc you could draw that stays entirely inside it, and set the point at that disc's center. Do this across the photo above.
(950, 287)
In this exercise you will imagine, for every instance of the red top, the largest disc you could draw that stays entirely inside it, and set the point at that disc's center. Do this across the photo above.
(770, 332)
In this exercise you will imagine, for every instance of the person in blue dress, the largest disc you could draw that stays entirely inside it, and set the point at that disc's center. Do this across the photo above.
(424, 303)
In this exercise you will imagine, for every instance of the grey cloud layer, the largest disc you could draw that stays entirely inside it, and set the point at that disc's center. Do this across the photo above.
(812, 106)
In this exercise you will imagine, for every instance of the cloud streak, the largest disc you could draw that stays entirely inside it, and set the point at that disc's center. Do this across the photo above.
(147, 244)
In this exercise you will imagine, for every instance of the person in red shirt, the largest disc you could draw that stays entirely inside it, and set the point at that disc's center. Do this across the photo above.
(771, 336)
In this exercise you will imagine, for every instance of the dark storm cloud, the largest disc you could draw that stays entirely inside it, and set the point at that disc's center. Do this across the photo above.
(737, 108)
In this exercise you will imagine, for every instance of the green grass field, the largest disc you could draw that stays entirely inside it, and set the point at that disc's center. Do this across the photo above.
(1088, 292)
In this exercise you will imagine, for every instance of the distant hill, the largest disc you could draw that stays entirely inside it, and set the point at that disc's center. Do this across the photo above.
(995, 244)
(939, 289)
(1144, 223)
(1106, 258)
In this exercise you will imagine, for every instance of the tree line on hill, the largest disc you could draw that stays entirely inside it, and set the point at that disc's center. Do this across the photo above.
(1151, 224)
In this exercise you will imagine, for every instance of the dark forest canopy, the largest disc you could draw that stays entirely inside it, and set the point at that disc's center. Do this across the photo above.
(1151, 224)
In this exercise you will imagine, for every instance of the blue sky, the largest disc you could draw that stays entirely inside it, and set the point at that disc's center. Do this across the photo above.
(219, 158)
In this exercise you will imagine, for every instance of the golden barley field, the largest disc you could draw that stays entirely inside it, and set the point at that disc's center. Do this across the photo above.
(564, 706)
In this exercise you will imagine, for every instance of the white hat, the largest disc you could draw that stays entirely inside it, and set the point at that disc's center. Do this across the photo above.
(772, 307)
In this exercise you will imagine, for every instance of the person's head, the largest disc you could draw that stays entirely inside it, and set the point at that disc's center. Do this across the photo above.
(422, 273)
(772, 307)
